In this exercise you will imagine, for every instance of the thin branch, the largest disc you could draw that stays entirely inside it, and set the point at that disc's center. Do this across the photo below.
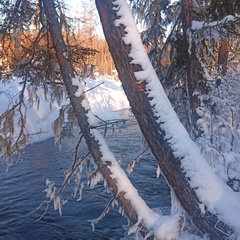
(102, 215)
(131, 165)
(72, 171)
(90, 89)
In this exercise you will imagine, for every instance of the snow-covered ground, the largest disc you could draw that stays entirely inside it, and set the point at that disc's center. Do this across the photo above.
(106, 99)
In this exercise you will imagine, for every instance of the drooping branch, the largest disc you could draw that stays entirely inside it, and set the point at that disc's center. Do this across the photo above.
(13, 132)
(167, 138)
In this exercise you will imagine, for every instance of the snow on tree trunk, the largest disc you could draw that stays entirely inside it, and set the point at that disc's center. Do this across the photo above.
(132, 204)
(81, 112)
(213, 206)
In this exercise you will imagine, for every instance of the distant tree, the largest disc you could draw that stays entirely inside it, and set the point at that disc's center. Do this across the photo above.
(219, 10)
(88, 37)
(104, 61)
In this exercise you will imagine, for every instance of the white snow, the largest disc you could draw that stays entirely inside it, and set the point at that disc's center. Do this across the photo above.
(106, 99)
(166, 227)
(210, 30)
(197, 25)
(76, 82)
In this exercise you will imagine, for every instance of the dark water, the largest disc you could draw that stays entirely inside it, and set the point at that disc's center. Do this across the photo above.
(21, 191)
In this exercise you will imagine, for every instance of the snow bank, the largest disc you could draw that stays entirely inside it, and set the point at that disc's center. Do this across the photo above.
(106, 101)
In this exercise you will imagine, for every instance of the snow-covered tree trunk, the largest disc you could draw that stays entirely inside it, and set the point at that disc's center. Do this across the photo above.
(204, 197)
(106, 163)
(146, 221)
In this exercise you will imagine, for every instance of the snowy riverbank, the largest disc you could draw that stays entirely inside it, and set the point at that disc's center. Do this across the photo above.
(106, 99)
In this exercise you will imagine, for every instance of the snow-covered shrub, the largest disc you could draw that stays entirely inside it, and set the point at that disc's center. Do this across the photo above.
(219, 129)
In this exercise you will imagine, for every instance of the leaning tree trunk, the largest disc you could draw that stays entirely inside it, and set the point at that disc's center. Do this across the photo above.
(152, 127)
(81, 113)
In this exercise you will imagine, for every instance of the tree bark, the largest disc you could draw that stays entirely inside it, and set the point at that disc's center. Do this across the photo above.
(223, 57)
(191, 62)
(154, 134)
(80, 112)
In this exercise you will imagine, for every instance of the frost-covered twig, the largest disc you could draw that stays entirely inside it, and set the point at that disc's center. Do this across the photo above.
(95, 177)
(227, 20)
(72, 170)
(103, 214)
(12, 140)
(131, 165)
(54, 195)
(40, 205)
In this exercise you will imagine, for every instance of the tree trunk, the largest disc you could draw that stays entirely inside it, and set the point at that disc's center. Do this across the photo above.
(80, 112)
(191, 63)
(190, 48)
(137, 94)
(223, 57)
